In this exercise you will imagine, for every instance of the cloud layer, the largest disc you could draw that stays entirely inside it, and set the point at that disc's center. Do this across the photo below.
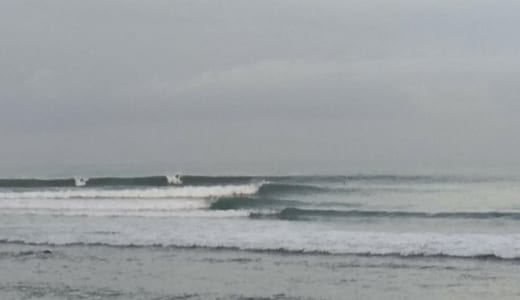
(258, 86)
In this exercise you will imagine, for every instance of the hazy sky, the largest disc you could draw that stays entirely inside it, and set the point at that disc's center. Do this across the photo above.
(328, 86)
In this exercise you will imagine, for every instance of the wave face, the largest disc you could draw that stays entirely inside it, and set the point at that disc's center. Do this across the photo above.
(362, 215)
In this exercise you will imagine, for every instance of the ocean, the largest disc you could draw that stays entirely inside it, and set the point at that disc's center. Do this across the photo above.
(260, 237)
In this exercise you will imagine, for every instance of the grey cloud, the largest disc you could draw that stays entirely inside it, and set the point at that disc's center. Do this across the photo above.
(303, 85)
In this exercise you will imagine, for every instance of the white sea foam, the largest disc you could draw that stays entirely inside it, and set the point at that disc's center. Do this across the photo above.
(87, 205)
(179, 207)
(80, 181)
(147, 213)
(151, 193)
(174, 179)
(246, 234)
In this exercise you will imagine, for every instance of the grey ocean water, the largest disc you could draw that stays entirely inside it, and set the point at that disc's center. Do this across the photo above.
(265, 237)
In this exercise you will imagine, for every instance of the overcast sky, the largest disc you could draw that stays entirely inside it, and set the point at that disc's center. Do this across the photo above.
(328, 86)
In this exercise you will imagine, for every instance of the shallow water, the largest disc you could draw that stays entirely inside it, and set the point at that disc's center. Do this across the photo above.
(104, 272)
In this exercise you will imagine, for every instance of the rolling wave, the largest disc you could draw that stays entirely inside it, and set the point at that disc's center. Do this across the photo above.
(233, 203)
(36, 183)
(91, 182)
(128, 181)
(196, 180)
(271, 188)
(292, 213)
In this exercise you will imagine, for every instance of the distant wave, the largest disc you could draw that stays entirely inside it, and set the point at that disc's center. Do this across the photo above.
(309, 183)
(91, 182)
(158, 180)
(292, 213)
(36, 183)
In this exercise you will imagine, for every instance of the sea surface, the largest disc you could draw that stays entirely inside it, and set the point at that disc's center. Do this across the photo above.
(260, 237)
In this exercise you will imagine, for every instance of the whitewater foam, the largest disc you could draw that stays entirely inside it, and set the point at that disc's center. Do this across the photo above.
(185, 212)
(174, 179)
(290, 237)
(103, 204)
(80, 181)
(153, 193)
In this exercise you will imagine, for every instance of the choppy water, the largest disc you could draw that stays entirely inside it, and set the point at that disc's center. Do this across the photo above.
(314, 236)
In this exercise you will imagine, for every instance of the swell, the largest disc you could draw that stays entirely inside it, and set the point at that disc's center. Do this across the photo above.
(94, 182)
(197, 180)
(232, 203)
(269, 189)
(292, 213)
(280, 251)
(130, 181)
(36, 183)
(158, 180)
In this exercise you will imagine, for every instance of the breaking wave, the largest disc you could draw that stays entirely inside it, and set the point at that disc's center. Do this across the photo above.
(154, 193)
